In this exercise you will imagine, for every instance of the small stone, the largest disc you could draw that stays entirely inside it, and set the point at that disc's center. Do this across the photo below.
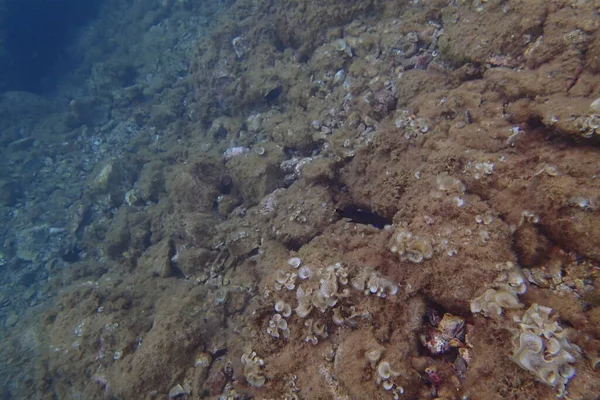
(595, 106)
(339, 76)
(235, 152)
(177, 391)
(11, 320)
(383, 102)
(254, 123)
(131, 198)
(294, 262)
(203, 360)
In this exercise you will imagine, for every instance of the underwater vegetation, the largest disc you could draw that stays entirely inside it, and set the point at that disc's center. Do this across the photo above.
(300, 200)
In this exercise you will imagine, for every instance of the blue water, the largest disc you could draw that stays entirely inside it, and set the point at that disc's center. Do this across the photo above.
(35, 35)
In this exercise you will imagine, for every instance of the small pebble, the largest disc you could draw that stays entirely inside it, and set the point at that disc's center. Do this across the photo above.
(595, 106)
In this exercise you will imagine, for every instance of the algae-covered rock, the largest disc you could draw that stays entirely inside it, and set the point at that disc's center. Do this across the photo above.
(192, 261)
(31, 242)
(118, 236)
(241, 242)
(129, 233)
(168, 349)
(301, 214)
(151, 182)
(196, 186)
(295, 135)
(256, 175)
(162, 115)
(91, 110)
(157, 259)
(113, 73)
(111, 179)
(314, 126)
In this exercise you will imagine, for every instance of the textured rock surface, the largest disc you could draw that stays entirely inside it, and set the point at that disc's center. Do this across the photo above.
(238, 137)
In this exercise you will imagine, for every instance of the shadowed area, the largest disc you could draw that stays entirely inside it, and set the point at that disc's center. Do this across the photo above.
(34, 35)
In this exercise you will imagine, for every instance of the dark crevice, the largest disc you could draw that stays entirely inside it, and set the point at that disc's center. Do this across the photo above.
(72, 255)
(176, 272)
(273, 94)
(537, 130)
(219, 353)
(363, 216)
(293, 245)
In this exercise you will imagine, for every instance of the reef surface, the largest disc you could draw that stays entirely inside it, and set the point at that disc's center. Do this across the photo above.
(309, 200)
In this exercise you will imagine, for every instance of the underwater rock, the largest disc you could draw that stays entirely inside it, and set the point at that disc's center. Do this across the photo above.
(242, 242)
(91, 110)
(157, 259)
(383, 102)
(178, 391)
(22, 144)
(110, 180)
(239, 46)
(256, 175)
(151, 182)
(162, 115)
(254, 123)
(236, 151)
(330, 115)
(31, 242)
(309, 212)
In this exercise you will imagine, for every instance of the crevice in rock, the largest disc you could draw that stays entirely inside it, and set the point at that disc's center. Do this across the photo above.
(293, 245)
(363, 216)
(72, 255)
